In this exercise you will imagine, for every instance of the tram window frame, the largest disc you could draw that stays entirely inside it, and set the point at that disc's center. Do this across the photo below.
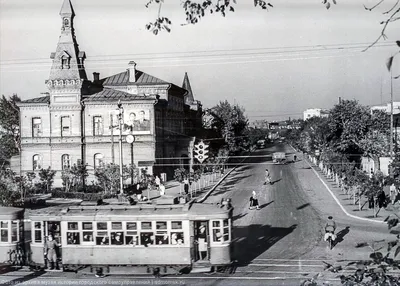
(103, 233)
(87, 232)
(37, 230)
(14, 231)
(217, 227)
(147, 229)
(162, 235)
(73, 232)
(177, 229)
(4, 230)
(131, 233)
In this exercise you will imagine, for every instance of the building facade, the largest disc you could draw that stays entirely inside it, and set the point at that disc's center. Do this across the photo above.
(315, 112)
(79, 121)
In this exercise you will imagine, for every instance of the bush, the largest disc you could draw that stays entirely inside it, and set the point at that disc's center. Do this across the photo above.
(80, 195)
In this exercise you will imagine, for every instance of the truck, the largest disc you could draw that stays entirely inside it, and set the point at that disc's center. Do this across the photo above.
(279, 157)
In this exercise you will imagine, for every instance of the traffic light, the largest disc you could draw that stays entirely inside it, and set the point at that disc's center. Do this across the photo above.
(201, 151)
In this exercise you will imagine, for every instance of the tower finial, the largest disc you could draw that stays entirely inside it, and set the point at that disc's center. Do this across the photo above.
(66, 8)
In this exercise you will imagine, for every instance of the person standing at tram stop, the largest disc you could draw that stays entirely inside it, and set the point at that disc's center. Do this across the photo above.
(186, 185)
(202, 241)
(50, 251)
(158, 182)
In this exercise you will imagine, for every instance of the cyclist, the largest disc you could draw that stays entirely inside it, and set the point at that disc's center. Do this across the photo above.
(330, 228)
(267, 177)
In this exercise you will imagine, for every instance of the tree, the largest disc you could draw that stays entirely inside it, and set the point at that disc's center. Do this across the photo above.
(9, 127)
(108, 176)
(74, 177)
(229, 123)
(46, 178)
(9, 188)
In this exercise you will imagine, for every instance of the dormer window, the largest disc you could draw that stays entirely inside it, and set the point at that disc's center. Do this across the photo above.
(64, 62)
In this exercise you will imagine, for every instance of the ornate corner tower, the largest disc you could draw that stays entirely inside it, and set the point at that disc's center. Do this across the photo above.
(67, 74)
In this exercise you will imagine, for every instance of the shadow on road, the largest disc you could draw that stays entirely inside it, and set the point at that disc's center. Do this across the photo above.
(265, 205)
(238, 216)
(253, 240)
(341, 234)
(23, 279)
(303, 206)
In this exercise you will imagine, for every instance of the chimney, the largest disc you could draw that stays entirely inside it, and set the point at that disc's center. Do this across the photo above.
(132, 71)
(96, 77)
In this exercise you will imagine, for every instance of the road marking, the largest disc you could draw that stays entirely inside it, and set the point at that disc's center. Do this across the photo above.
(293, 259)
(284, 265)
(336, 199)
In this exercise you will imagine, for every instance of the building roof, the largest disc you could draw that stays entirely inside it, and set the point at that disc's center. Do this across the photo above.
(123, 79)
(42, 99)
(66, 8)
(108, 94)
(189, 99)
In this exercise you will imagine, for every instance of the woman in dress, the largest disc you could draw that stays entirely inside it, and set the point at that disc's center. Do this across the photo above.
(202, 241)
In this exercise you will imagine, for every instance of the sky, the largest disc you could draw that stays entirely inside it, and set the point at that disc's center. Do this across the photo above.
(274, 63)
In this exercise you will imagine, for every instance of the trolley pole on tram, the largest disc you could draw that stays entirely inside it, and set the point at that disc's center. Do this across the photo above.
(120, 119)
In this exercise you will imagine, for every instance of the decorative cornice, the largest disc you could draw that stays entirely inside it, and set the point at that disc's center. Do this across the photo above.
(65, 107)
(62, 83)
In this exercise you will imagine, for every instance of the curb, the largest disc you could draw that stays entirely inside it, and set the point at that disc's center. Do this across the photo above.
(335, 198)
(219, 182)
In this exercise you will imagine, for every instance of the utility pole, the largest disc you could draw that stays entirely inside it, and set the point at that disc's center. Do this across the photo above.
(120, 119)
(391, 122)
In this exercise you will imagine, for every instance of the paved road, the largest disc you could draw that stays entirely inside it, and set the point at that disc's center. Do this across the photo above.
(281, 244)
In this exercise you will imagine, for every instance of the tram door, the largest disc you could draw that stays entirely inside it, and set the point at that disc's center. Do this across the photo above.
(54, 228)
(201, 245)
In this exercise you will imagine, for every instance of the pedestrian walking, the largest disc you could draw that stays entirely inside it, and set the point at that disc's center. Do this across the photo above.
(294, 158)
(158, 182)
(393, 193)
(162, 190)
(254, 201)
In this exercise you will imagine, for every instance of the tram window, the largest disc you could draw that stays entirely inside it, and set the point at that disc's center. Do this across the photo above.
(87, 236)
(146, 225)
(226, 230)
(131, 226)
(116, 225)
(131, 238)
(117, 238)
(161, 225)
(102, 226)
(176, 225)
(87, 225)
(102, 238)
(4, 231)
(217, 236)
(38, 232)
(72, 226)
(73, 238)
(216, 223)
(14, 231)
(146, 238)
(177, 238)
(162, 237)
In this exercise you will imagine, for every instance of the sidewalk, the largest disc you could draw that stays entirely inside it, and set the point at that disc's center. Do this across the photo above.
(346, 201)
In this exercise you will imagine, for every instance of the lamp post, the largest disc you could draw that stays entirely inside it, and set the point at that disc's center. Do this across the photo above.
(120, 120)
(389, 66)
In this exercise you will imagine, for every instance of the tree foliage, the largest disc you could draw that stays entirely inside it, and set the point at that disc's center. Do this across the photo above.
(9, 188)
(46, 177)
(229, 123)
(9, 127)
(108, 176)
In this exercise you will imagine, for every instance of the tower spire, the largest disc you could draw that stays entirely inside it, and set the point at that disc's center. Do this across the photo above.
(67, 70)
(189, 99)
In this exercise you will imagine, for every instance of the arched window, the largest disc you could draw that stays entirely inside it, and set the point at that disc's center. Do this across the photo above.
(98, 160)
(66, 162)
(36, 162)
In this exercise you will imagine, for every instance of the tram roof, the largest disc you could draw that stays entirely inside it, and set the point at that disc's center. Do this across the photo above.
(10, 213)
(195, 209)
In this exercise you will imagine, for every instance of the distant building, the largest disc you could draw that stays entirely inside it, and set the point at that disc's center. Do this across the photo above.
(315, 112)
(386, 108)
(259, 124)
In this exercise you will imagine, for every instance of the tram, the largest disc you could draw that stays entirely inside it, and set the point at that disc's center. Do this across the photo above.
(175, 236)
(11, 235)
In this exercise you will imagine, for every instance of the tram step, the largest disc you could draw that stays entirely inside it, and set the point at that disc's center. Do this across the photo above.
(200, 270)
